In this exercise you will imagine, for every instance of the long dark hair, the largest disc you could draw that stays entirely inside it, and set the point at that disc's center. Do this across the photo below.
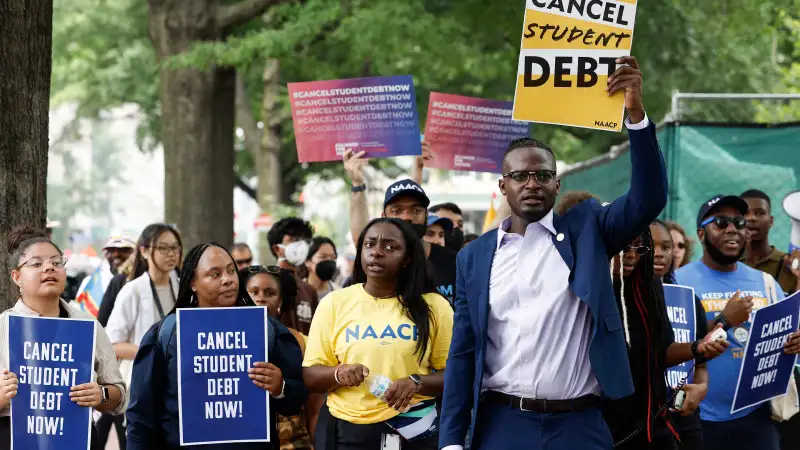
(645, 295)
(150, 236)
(186, 297)
(412, 281)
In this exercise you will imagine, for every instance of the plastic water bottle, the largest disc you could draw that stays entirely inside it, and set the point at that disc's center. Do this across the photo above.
(378, 385)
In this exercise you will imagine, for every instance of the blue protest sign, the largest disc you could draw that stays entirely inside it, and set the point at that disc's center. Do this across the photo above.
(766, 370)
(49, 356)
(682, 315)
(218, 401)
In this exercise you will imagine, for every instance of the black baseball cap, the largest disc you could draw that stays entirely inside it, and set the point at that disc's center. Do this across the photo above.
(408, 188)
(718, 202)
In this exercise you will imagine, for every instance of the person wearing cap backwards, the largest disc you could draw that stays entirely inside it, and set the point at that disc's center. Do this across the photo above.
(538, 340)
(405, 200)
(730, 291)
(438, 230)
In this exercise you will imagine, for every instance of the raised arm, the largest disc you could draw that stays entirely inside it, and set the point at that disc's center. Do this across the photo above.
(460, 374)
(359, 211)
(631, 213)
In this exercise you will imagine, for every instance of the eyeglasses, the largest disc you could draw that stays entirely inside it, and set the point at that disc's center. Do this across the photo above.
(722, 222)
(241, 262)
(542, 177)
(165, 250)
(640, 250)
(274, 270)
(416, 211)
(58, 263)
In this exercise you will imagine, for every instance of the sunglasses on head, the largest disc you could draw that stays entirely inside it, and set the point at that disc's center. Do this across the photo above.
(722, 222)
(274, 270)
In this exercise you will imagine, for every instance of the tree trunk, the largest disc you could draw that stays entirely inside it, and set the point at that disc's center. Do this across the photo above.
(269, 161)
(25, 46)
(197, 113)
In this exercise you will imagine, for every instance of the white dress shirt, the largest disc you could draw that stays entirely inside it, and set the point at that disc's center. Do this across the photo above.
(539, 331)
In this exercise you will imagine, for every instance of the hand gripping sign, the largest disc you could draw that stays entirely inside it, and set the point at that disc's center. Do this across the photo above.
(568, 51)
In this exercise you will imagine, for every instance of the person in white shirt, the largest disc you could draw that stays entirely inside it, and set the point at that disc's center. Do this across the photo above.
(150, 297)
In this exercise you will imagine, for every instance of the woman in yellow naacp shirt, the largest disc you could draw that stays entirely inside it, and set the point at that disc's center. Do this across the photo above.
(392, 324)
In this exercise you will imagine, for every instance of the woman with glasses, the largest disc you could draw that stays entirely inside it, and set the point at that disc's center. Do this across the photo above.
(276, 289)
(642, 420)
(209, 279)
(38, 270)
(389, 324)
(321, 266)
(147, 298)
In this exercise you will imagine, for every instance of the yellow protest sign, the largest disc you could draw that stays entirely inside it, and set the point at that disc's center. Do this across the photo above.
(568, 50)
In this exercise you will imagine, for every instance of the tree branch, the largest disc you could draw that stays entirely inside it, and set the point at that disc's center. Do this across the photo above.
(244, 116)
(239, 182)
(242, 12)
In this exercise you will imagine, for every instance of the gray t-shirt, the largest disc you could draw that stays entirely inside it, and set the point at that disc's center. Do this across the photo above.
(166, 299)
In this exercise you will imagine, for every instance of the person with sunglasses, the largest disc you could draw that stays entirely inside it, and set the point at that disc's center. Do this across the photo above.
(242, 255)
(38, 270)
(730, 291)
(276, 289)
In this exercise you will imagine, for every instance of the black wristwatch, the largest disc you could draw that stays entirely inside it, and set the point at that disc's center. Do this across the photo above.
(723, 320)
(104, 393)
(360, 188)
(695, 353)
(416, 379)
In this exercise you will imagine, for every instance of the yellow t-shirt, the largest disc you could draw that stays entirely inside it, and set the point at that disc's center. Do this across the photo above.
(352, 327)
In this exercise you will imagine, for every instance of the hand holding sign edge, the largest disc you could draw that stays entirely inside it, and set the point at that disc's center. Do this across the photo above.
(629, 79)
(87, 394)
(267, 376)
(8, 388)
(792, 345)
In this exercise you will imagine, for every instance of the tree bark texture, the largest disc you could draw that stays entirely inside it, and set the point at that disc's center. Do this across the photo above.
(26, 32)
(268, 162)
(197, 113)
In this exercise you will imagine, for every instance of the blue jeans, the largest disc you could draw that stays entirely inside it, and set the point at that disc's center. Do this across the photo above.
(504, 428)
(756, 430)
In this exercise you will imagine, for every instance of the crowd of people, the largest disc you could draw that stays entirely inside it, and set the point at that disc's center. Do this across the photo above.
(549, 332)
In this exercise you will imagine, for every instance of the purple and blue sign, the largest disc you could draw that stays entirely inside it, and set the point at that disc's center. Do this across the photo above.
(377, 115)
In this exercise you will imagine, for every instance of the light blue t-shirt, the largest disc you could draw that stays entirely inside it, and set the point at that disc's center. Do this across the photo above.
(714, 288)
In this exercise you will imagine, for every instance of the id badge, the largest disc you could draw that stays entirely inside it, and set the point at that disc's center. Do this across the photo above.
(390, 442)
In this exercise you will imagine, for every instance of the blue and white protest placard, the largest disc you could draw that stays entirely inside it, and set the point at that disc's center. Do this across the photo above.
(218, 401)
(682, 315)
(766, 369)
(49, 356)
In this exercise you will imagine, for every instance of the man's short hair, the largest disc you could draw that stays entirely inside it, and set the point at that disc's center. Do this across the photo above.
(291, 226)
(239, 246)
(755, 193)
(447, 206)
(570, 199)
(525, 143)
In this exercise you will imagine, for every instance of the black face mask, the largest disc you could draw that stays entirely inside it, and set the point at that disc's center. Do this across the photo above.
(455, 240)
(420, 229)
(325, 270)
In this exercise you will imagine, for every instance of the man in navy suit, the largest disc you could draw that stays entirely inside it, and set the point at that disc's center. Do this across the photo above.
(537, 336)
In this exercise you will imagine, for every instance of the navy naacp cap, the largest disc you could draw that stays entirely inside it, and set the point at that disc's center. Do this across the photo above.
(718, 202)
(406, 188)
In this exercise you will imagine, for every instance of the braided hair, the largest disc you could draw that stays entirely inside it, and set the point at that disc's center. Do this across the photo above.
(186, 297)
(640, 297)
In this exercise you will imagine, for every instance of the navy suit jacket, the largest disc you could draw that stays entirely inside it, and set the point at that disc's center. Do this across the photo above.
(592, 234)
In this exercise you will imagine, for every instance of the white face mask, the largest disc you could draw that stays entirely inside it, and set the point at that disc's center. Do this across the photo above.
(296, 253)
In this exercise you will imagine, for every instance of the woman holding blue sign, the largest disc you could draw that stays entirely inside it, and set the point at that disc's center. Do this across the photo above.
(209, 279)
(39, 271)
(379, 348)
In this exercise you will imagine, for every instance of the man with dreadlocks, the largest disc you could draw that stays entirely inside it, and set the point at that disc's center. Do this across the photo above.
(640, 421)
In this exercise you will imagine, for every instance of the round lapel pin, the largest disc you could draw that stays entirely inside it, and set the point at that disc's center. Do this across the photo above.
(560, 237)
